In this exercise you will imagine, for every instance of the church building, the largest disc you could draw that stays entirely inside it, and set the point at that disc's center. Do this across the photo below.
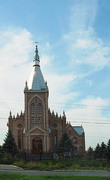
(38, 129)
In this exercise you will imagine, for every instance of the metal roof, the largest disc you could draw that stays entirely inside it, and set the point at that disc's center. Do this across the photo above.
(79, 130)
(36, 81)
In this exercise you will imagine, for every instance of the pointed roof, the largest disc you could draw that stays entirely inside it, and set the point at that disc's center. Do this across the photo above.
(36, 81)
(79, 130)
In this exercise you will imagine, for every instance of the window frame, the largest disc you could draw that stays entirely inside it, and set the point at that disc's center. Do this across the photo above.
(33, 108)
(40, 108)
(33, 120)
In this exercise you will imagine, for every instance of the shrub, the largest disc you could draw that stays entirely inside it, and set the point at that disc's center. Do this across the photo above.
(7, 159)
(20, 163)
(64, 164)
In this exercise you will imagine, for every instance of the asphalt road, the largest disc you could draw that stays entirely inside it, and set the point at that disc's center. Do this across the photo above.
(14, 169)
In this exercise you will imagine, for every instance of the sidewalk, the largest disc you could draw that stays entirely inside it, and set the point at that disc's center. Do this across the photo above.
(10, 167)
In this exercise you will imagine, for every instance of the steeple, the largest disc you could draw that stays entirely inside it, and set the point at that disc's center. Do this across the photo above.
(36, 82)
(36, 58)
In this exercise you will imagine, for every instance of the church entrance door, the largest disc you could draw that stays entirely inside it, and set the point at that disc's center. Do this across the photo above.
(37, 147)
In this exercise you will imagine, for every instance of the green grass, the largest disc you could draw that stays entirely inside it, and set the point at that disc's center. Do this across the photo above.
(13, 176)
(65, 164)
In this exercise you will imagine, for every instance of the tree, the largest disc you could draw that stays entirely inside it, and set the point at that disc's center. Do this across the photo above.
(65, 145)
(9, 145)
(90, 152)
(1, 152)
(97, 151)
(103, 150)
(108, 149)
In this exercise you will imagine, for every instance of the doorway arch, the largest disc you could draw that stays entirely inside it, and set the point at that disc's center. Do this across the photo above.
(37, 146)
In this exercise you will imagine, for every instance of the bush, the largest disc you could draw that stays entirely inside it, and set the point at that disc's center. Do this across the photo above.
(64, 164)
(7, 159)
(20, 163)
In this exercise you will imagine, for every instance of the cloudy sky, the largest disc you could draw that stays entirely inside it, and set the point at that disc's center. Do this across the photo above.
(74, 49)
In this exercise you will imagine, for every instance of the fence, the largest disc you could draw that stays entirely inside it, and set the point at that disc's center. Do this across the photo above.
(34, 157)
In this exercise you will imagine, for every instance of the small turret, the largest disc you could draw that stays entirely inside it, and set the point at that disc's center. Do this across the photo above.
(56, 115)
(21, 113)
(10, 115)
(64, 116)
(49, 110)
(26, 86)
(46, 86)
(13, 117)
(53, 113)
(17, 116)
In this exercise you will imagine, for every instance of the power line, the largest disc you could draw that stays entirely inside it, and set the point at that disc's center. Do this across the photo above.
(84, 117)
(82, 122)
(94, 118)
(90, 122)
(79, 104)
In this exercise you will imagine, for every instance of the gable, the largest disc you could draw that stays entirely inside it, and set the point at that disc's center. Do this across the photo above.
(36, 131)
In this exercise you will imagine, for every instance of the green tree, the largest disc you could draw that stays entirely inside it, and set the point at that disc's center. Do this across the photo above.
(103, 150)
(108, 150)
(9, 145)
(90, 152)
(97, 151)
(1, 152)
(65, 145)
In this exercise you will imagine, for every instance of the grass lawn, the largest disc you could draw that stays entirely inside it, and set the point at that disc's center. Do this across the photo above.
(65, 164)
(14, 176)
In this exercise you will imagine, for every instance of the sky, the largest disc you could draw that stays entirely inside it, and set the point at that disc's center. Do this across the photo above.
(74, 48)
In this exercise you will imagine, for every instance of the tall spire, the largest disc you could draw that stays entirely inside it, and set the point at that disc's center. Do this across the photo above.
(36, 81)
(36, 58)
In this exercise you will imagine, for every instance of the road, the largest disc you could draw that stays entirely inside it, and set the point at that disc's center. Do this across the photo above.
(10, 168)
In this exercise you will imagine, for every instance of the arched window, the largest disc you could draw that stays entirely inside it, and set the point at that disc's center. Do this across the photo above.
(39, 108)
(32, 108)
(75, 140)
(20, 126)
(81, 149)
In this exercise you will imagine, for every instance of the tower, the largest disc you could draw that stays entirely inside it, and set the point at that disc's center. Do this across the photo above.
(36, 121)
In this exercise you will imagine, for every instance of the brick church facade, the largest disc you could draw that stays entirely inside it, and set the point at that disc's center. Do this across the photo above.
(38, 130)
